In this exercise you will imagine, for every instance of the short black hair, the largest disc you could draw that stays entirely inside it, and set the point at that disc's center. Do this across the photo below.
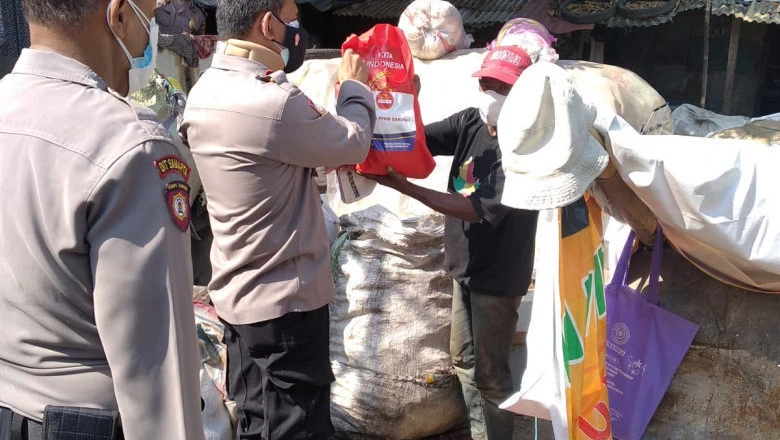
(236, 17)
(59, 12)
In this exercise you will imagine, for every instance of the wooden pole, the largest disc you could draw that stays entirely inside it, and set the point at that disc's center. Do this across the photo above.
(706, 68)
(731, 67)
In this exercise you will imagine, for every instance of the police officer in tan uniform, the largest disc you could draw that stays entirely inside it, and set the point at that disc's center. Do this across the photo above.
(256, 140)
(98, 337)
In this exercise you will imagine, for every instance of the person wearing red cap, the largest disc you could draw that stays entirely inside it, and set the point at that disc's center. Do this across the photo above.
(489, 248)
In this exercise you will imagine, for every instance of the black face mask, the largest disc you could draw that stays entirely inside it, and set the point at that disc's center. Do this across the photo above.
(296, 40)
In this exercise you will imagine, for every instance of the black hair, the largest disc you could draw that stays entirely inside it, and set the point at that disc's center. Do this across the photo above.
(235, 18)
(59, 12)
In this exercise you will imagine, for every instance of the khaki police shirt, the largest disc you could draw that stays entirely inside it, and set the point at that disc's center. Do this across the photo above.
(95, 272)
(256, 140)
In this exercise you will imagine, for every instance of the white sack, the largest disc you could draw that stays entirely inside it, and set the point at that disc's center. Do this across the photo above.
(390, 329)
(717, 200)
(433, 28)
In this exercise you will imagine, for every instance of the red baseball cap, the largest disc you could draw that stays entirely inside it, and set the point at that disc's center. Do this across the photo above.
(504, 63)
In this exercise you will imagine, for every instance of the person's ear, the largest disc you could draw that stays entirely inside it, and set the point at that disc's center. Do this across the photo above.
(264, 24)
(118, 18)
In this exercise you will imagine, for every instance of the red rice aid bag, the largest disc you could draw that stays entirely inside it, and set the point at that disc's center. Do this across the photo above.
(399, 135)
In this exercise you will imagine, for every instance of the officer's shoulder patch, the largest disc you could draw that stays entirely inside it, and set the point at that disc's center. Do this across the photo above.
(317, 108)
(177, 198)
(172, 164)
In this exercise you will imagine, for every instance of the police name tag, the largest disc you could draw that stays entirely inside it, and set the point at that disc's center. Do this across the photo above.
(352, 185)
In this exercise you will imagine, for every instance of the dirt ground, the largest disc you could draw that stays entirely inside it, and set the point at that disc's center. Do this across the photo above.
(524, 430)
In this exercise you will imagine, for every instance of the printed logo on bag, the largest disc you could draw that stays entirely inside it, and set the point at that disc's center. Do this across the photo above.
(177, 196)
(636, 367)
(574, 333)
(384, 59)
(465, 184)
(620, 333)
(352, 184)
(171, 164)
(384, 100)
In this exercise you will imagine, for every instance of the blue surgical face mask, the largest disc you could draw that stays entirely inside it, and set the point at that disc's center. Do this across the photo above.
(141, 68)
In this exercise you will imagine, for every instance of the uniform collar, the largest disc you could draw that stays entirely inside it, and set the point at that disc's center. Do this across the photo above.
(246, 56)
(50, 64)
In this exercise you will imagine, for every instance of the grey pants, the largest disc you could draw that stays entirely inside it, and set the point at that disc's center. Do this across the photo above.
(483, 327)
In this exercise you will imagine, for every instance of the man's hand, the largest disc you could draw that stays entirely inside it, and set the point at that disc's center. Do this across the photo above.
(454, 205)
(353, 67)
(392, 179)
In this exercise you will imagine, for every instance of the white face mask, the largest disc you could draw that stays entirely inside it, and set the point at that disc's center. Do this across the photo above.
(490, 104)
(141, 68)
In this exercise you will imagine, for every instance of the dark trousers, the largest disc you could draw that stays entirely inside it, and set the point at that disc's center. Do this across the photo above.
(482, 330)
(14, 426)
(279, 375)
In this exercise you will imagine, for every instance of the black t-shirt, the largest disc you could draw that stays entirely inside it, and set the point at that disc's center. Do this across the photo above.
(496, 255)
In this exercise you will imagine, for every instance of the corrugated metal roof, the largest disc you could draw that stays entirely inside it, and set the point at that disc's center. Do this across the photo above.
(760, 11)
(763, 11)
(619, 21)
(326, 5)
(483, 13)
(476, 13)
(378, 9)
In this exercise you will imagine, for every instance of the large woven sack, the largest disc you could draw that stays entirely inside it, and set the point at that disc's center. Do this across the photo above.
(433, 29)
(390, 329)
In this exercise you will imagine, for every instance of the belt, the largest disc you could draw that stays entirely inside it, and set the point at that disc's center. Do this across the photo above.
(14, 426)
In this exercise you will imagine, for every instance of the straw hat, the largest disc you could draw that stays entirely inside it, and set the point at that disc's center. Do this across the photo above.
(548, 155)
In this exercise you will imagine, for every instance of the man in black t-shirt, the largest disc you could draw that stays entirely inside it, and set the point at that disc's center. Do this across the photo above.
(489, 248)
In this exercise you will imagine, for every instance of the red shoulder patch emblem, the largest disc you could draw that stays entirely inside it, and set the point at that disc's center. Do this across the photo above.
(177, 197)
(317, 108)
(168, 165)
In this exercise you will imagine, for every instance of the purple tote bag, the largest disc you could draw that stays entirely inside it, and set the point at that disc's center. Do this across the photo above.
(645, 345)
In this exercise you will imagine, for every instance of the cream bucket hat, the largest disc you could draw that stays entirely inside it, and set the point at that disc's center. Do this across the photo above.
(548, 155)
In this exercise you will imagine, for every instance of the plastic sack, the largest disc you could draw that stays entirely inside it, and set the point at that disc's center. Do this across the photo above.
(529, 35)
(399, 134)
(690, 120)
(218, 420)
(433, 28)
(566, 377)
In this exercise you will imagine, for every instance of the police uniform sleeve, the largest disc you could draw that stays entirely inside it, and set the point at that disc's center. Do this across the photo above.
(314, 138)
(138, 219)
